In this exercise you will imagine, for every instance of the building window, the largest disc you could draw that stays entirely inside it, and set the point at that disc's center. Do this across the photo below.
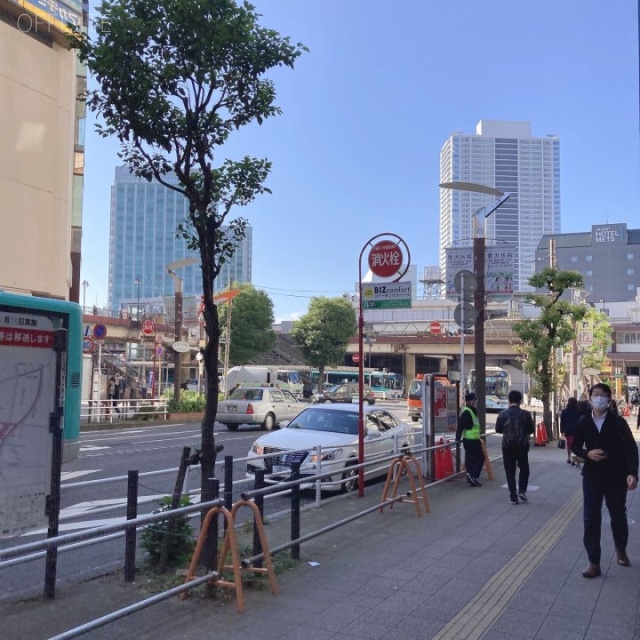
(629, 256)
(631, 287)
(574, 258)
(630, 272)
(588, 273)
(589, 258)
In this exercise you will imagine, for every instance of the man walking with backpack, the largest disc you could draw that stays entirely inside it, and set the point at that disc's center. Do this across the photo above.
(515, 425)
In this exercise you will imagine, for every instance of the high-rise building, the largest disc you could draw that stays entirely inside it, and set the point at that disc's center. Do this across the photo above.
(143, 242)
(503, 155)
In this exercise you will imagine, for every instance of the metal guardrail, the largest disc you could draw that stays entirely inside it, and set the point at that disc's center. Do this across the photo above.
(109, 411)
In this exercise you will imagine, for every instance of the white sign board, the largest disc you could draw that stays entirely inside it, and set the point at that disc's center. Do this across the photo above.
(386, 295)
(27, 400)
(584, 335)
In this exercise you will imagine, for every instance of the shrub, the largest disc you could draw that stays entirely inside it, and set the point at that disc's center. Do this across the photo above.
(190, 402)
(179, 536)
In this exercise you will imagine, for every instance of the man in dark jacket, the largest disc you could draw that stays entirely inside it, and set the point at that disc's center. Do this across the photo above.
(604, 441)
(469, 431)
(515, 425)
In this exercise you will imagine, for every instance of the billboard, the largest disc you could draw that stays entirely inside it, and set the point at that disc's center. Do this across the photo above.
(47, 14)
(499, 269)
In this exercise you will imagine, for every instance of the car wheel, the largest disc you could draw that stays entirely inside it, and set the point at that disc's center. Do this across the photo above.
(232, 427)
(327, 401)
(350, 479)
(269, 422)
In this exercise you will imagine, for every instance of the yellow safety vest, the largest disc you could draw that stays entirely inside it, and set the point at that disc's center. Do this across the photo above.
(474, 432)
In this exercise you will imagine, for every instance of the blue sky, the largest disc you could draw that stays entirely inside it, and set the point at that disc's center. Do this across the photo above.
(365, 113)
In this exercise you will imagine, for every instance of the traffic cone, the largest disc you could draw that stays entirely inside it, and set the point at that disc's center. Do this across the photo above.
(438, 465)
(447, 461)
(541, 435)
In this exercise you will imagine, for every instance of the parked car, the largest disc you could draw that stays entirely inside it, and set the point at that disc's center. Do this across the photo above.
(345, 392)
(264, 406)
(335, 430)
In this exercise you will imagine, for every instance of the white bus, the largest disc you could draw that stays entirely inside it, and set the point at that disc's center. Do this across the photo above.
(497, 387)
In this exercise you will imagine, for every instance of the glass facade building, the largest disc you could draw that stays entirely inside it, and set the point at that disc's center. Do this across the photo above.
(142, 243)
(503, 155)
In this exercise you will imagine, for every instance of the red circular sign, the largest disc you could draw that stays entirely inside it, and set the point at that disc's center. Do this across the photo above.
(435, 327)
(356, 357)
(148, 327)
(385, 259)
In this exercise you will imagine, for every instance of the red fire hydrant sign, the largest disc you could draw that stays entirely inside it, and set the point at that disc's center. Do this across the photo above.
(385, 259)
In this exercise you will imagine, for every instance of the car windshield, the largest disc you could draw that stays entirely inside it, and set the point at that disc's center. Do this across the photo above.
(318, 419)
(332, 388)
(246, 394)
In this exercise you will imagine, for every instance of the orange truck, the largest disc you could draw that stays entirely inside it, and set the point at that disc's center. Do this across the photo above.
(414, 398)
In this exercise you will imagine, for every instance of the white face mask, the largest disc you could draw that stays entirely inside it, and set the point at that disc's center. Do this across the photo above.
(599, 403)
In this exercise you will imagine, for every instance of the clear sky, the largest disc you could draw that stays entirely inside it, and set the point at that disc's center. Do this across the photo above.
(365, 113)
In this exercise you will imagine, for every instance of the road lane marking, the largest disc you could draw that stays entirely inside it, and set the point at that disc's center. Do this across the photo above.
(65, 476)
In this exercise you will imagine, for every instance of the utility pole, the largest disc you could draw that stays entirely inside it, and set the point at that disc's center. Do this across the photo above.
(478, 332)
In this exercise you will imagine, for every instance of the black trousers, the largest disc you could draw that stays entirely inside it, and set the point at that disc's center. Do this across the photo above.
(473, 457)
(613, 490)
(516, 457)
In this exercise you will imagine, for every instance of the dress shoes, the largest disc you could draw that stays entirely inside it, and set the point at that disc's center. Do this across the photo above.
(622, 559)
(592, 571)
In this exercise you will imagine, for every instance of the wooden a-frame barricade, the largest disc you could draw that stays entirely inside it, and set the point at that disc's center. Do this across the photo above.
(230, 545)
(407, 463)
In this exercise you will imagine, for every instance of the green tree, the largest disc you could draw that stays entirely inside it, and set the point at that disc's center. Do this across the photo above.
(553, 328)
(324, 331)
(251, 322)
(595, 354)
(175, 79)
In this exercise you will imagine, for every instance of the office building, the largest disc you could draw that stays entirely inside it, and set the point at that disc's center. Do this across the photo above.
(608, 257)
(506, 156)
(42, 151)
(142, 242)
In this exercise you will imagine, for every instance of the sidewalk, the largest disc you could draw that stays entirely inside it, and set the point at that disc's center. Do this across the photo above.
(475, 567)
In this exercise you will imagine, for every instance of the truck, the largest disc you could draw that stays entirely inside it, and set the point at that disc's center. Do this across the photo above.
(267, 375)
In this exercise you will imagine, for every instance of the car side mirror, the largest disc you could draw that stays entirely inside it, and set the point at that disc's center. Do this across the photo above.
(372, 433)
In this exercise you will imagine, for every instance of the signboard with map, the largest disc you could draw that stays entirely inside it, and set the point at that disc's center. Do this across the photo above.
(27, 401)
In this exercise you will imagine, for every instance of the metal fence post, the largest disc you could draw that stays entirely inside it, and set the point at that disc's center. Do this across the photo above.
(131, 535)
(295, 510)
(228, 486)
(259, 502)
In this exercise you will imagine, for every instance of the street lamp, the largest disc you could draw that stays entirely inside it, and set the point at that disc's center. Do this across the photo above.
(478, 270)
(138, 282)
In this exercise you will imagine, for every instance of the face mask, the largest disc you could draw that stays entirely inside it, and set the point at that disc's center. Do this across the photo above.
(599, 403)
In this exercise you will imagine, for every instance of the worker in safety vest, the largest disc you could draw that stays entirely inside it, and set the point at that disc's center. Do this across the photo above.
(469, 432)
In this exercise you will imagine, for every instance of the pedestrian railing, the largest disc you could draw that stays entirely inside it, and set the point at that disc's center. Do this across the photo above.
(97, 411)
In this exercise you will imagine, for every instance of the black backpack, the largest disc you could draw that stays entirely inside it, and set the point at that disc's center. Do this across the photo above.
(514, 435)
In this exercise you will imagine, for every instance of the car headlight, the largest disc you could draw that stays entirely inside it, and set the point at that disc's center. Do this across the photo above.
(329, 455)
(257, 448)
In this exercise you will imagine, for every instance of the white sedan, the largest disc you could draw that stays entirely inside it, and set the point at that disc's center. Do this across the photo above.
(330, 432)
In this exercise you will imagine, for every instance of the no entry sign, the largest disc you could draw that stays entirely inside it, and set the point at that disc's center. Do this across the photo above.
(148, 327)
(385, 259)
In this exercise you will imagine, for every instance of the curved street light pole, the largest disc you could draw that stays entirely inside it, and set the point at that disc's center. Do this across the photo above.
(480, 360)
